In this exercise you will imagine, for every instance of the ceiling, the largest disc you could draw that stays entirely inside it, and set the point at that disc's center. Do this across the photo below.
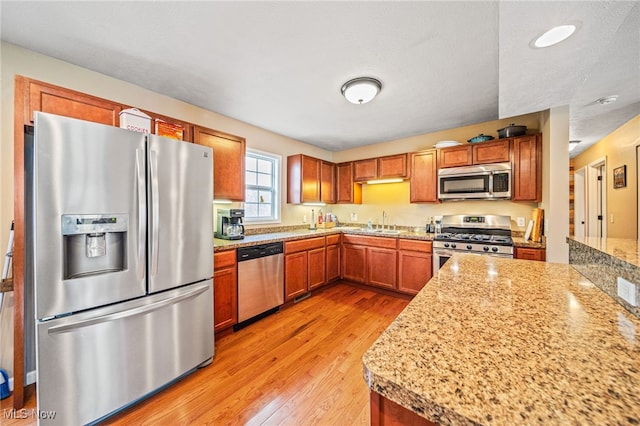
(280, 65)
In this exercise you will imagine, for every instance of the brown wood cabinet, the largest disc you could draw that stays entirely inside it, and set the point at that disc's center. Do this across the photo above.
(415, 265)
(390, 166)
(327, 182)
(478, 153)
(225, 284)
(530, 253)
(57, 100)
(187, 128)
(364, 170)
(347, 191)
(527, 168)
(386, 412)
(228, 162)
(304, 266)
(424, 177)
(370, 260)
(333, 258)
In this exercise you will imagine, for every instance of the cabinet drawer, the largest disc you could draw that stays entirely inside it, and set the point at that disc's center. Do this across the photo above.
(301, 245)
(390, 243)
(333, 239)
(530, 254)
(224, 259)
(424, 246)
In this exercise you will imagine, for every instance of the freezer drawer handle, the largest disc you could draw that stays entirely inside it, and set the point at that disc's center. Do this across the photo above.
(129, 312)
(141, 215)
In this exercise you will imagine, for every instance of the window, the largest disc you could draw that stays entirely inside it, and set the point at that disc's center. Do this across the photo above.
(262, 180)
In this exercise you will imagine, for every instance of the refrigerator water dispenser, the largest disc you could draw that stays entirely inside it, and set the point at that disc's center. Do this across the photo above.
(94, 244)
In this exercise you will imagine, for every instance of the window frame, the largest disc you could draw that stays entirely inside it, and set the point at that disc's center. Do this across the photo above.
(275, 188)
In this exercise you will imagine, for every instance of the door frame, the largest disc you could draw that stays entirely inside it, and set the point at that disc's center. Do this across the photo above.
(593, 197)
(580, 202)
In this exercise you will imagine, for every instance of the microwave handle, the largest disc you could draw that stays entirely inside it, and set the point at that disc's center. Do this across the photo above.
(491, 183)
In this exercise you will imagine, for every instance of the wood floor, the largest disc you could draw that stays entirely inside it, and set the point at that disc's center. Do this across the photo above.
(301, 366)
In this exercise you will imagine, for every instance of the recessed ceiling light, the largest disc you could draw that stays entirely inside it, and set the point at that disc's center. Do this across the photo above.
(573, 144)
(554, 36)
(361, 90)
(607, 100)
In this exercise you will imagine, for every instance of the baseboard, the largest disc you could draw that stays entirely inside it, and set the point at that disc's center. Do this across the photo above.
(31, 378)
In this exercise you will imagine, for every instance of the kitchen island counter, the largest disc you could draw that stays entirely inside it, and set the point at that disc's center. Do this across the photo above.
(499, 341)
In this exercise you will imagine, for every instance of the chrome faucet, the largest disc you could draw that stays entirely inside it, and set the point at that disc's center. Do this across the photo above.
(384, 214)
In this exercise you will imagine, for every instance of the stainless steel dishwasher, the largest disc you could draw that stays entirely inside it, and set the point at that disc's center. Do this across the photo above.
(260, 282)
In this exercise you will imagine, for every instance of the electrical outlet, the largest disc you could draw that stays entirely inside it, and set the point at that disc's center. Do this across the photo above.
(520, 222)
(611, 218)
(304, 219)
(627, 291)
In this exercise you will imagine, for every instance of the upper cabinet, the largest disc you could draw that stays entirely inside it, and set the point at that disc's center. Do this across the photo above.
(347, 192)
(228, 162)
(310, 180)
(424, 177)
(57, 100)
(527, 168)
(480, 153)
(391, 166)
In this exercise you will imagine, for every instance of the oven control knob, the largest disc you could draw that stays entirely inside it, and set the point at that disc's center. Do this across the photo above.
(494, 249)
(485, 248)
(453, 245)
(468, 246)
(446, 245)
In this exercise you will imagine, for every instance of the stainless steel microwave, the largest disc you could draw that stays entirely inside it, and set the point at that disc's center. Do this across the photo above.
(482, 182)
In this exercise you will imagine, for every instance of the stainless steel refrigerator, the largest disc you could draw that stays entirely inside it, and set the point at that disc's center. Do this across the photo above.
(120, 244)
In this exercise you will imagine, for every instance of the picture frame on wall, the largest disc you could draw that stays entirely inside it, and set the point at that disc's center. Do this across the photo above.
(620, 177)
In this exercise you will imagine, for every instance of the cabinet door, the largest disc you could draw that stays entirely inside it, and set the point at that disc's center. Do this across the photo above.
(364, 170)
(424, 177)
(295, 275)
(393, 166)
(228, 162)
(354, 263)
(60, 101)
(333, 262)
(347, 191)
(455, 156)
(491, 152)
(187, 128)
(382, 269)
(303, 179)
(527, 168)
(316, 264)
(328, 182)
(530, 253)
(414, 270)
(225, 307)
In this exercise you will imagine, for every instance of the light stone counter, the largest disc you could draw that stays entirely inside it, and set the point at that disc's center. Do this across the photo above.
(504, 342)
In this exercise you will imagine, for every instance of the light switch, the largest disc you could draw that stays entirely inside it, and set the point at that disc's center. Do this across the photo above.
(611, 218)
(520, 222)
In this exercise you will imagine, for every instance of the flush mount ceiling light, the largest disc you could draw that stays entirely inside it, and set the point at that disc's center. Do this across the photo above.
(554, 36)
(607, 100)
(572, 145)
(361, 90)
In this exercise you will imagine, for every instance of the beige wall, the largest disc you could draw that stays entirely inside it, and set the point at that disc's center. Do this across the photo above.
(619, 148)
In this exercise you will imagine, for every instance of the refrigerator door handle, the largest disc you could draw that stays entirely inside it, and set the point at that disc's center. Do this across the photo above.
(127, 313)
(155, 211)
(141, 210)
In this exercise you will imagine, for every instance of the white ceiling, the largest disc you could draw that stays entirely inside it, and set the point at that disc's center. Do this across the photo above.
(280, 65)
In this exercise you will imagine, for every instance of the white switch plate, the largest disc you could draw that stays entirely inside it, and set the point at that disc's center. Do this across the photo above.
(627, 291)
(520, 222)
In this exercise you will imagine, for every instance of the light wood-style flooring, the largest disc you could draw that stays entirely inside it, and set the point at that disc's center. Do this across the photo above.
(301, 366)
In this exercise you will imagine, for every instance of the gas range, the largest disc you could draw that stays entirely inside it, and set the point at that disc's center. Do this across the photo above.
(484, 234)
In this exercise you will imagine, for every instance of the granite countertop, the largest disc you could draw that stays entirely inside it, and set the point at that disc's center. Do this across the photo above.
(299, 234)
(500, 341)
(624, 249)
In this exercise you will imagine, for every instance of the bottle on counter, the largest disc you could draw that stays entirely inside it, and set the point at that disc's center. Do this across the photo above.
(320, 216)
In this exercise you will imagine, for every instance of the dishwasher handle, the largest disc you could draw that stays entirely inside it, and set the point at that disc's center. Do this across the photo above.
(261, 250)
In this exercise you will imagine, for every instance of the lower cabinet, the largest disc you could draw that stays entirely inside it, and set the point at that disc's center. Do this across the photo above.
(415, 265)
(304, 266)
(332, 266)
(370, 260)
(225, 293)
(530, 253)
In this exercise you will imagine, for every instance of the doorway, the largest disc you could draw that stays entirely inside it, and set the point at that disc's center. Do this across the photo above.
(580, 205)
(596, 199)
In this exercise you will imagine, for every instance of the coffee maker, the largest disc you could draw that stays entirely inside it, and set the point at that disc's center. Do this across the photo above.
(229, 224)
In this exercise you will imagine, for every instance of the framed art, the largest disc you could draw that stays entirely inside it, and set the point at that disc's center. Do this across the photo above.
(620, 177)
